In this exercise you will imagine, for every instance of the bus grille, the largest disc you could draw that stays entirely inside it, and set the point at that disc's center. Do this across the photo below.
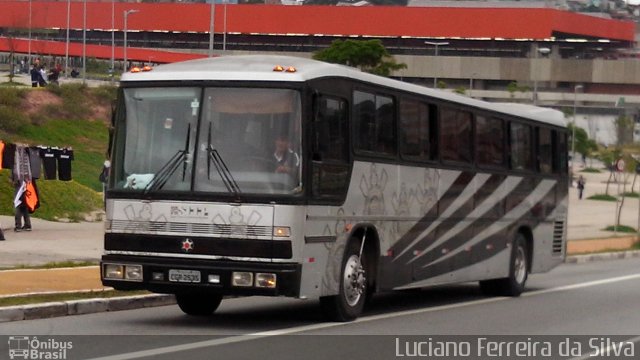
(558, 236)
(194, 228)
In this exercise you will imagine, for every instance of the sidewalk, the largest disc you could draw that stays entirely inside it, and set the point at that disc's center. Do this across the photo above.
(50, 242)
(25, 79)
(588, 218)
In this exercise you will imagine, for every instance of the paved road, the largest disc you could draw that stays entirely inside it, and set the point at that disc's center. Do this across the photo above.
(596, 299)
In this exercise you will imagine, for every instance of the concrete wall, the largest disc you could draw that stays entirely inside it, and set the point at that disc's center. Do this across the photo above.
(551, 70)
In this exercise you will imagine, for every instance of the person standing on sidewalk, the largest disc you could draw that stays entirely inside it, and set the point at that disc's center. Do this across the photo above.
(581, 183)
(21, 175)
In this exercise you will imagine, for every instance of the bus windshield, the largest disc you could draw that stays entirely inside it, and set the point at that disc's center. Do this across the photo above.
(215, 139)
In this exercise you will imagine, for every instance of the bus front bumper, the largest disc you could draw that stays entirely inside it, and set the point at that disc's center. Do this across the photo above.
(173, 275)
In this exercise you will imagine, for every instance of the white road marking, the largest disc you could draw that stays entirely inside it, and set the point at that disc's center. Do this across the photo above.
(304, 328)
(582, 285)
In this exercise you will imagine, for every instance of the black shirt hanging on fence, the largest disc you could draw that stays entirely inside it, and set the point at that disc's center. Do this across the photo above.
(65, 156)
(8, 156)
(49, 156)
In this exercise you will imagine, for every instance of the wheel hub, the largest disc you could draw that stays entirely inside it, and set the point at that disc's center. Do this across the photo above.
(520, 266)
(354, 282)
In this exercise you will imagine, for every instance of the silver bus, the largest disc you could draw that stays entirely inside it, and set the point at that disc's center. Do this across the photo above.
(283, 176)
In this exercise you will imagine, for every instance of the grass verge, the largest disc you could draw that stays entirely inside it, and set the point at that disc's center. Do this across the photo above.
(602, 197)
(58, 199)
(621, 228)
(44, 298)
(54, 265)
(631, 194)
(590, 170)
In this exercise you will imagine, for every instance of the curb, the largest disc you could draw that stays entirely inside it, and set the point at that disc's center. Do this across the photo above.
(580, 259)
(79, 307)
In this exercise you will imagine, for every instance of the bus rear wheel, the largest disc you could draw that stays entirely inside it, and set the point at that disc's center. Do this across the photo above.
(514, 284)
(348, 304)
(198, 304)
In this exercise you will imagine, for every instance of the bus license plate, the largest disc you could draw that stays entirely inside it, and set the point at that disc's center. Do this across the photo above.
(189, 276)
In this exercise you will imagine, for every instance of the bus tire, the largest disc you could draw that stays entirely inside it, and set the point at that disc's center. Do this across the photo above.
(196, 304)
(348, 304)
(514, 284)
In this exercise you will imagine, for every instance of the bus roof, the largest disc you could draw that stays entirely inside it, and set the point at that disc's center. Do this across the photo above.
(261, 67)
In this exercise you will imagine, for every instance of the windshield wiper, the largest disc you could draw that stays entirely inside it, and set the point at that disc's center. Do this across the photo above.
(224, 172)
(169, 168)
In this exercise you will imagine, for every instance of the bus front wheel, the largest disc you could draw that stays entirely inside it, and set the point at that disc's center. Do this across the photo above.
(198, 304)
(348, 304)
(514, 284)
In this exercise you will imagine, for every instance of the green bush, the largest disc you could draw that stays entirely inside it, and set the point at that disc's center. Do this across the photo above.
(12, 119)
(631, 194)
(74, 99)
(620, 228)
(590, 170)
(48, 112)
(11, 96)
(97, 66)
(105, 94)
(602, 197)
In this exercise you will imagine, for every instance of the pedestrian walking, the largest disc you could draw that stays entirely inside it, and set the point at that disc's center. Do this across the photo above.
(581, 183)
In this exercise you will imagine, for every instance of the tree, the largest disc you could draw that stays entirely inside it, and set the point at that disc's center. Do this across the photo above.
(624, 129)
(513, 86)
(584, 145)
(367, 55)
(11, 35)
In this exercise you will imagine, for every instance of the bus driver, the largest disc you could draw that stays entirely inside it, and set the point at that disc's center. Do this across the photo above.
(286, 161)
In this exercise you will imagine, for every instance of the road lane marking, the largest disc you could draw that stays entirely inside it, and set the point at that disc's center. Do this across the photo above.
(582, 285)
(304, 328)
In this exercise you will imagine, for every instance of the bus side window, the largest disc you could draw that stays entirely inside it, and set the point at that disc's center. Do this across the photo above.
(415, 131)
(489, 142)
(456, 135)
(545, 159)
(330, 168)
(560, 152)
(374, 117)
(330, 130)
(520, 146)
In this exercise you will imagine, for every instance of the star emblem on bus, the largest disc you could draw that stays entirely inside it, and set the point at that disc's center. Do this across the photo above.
(187, 245)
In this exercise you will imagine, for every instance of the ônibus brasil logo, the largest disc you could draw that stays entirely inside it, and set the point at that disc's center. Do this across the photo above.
(31, 348)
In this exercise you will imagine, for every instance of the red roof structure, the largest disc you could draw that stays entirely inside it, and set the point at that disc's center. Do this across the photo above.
(373, 21)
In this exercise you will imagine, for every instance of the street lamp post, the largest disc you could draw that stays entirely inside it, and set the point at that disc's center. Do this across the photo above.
(113, 38)
(435, 45)
(66, 47)
(471, 84)
(573, 129)
(224, 35)
(126, 15)
(544, 51)
(211, 28)
(29, 45)
(84, 41)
